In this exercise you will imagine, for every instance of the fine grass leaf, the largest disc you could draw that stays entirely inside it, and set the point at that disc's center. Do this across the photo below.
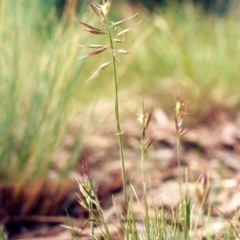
(91, 54)
(71, 227)
(98, 70)
(229, 221)
(122, 21)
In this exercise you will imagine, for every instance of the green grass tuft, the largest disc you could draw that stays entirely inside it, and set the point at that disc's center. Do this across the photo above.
(39, 75)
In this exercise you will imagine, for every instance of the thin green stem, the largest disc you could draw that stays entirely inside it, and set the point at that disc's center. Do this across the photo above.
(142, 158)
(117, 117)
(143, 151)
(144, 119)
(91, 216)
(179, 165)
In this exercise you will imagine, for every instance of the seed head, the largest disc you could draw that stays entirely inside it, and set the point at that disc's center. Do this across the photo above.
(105, 7)
(203, 188)
(180, 112)
(86, 198)
(101, 10)
(144, 118)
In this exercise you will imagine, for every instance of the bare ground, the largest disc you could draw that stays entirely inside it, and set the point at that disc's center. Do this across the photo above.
(210, 150)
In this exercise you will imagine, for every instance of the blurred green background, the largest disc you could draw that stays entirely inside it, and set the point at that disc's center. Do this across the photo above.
(181, 47)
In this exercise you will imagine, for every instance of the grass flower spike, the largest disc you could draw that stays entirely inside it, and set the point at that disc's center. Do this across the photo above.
(102, 10)
(105, 7)
(86, 199)
(180, 112)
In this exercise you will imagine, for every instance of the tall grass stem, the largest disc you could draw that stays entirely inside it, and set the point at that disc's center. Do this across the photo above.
(117, 117)
(179, 166)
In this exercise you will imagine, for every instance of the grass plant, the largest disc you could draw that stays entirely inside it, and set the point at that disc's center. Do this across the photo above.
(102, 11)
(155, 222)
(144, 117)
(184, 50)
(42, 85)
(184, 38)
(36, 88)
(194, 52)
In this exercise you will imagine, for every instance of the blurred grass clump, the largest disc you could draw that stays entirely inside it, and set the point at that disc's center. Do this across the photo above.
(176, 50)
(39, 75)
(182, 50)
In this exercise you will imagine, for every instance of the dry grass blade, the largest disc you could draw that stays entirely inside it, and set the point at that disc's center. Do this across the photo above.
(99, 69)
(94, 46)
(230, 223)
(122, 21)
(150, 141)
(91, 54)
